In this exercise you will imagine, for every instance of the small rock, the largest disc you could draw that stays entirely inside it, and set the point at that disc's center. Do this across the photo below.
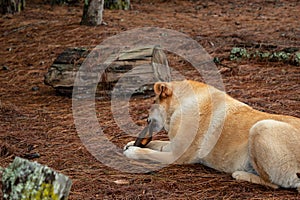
(5, 68)
(224, 70)
(121, 182)
(198, 7)
(284, 72)
(35, 88)
(32, 155)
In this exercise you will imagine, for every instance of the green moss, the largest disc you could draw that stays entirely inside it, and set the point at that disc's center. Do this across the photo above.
(238, 53)
(217, 60)
(264, 55)
(291, 56)
(279, 56)
(260, 55)
(45, 192)
(297, 58)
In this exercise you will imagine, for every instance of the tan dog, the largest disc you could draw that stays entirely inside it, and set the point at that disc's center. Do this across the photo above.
(207, 126)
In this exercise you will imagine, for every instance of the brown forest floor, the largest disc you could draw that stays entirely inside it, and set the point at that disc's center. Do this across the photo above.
(33, 118)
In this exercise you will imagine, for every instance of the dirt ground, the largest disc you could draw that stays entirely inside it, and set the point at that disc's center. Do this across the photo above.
(35, 119)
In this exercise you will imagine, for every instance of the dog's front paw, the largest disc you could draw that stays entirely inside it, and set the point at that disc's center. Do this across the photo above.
(129, 144)
(131, 152)
(238, 175)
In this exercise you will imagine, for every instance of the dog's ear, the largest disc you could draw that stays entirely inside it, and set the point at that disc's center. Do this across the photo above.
(162, 89)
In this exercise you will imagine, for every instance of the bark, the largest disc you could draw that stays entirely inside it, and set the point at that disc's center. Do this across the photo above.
(149, 64)
(24, 180)
(92, 12)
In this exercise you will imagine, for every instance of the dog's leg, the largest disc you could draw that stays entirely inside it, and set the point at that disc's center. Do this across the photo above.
(245, 176)
(275, 153)
(158, 145)
(156, 150)
(138, 153)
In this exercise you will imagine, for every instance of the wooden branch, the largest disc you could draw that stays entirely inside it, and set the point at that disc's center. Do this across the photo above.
(24, 180)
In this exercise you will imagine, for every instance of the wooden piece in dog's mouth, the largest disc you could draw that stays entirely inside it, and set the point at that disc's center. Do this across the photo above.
(144, 137)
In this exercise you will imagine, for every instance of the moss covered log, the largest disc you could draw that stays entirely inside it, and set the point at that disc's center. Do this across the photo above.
(25, 180)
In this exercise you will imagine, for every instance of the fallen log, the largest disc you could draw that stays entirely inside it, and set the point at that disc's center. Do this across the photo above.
(29, 180)
(139, 65)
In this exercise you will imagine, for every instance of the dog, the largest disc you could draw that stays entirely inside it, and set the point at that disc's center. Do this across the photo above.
(207, 126)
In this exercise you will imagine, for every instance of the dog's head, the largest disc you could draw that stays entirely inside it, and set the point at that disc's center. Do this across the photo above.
(169, 98)
(158, 118)
(160, 112)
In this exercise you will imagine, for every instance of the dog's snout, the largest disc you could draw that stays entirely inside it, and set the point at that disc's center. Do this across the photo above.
(149, 120)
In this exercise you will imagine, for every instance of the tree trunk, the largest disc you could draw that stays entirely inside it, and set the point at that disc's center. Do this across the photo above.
(92, 12)
(29, 180)
(117, 4)
(11, 6)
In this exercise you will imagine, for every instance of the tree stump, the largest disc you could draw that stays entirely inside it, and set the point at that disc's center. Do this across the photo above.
(92, 12)
(143, 64)
(24, 180)
(11, 6)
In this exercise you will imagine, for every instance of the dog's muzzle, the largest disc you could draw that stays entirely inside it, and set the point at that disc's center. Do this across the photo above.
(145, 135)
(155, 124)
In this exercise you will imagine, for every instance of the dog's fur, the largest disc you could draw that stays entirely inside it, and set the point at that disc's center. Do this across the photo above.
(207, 126)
